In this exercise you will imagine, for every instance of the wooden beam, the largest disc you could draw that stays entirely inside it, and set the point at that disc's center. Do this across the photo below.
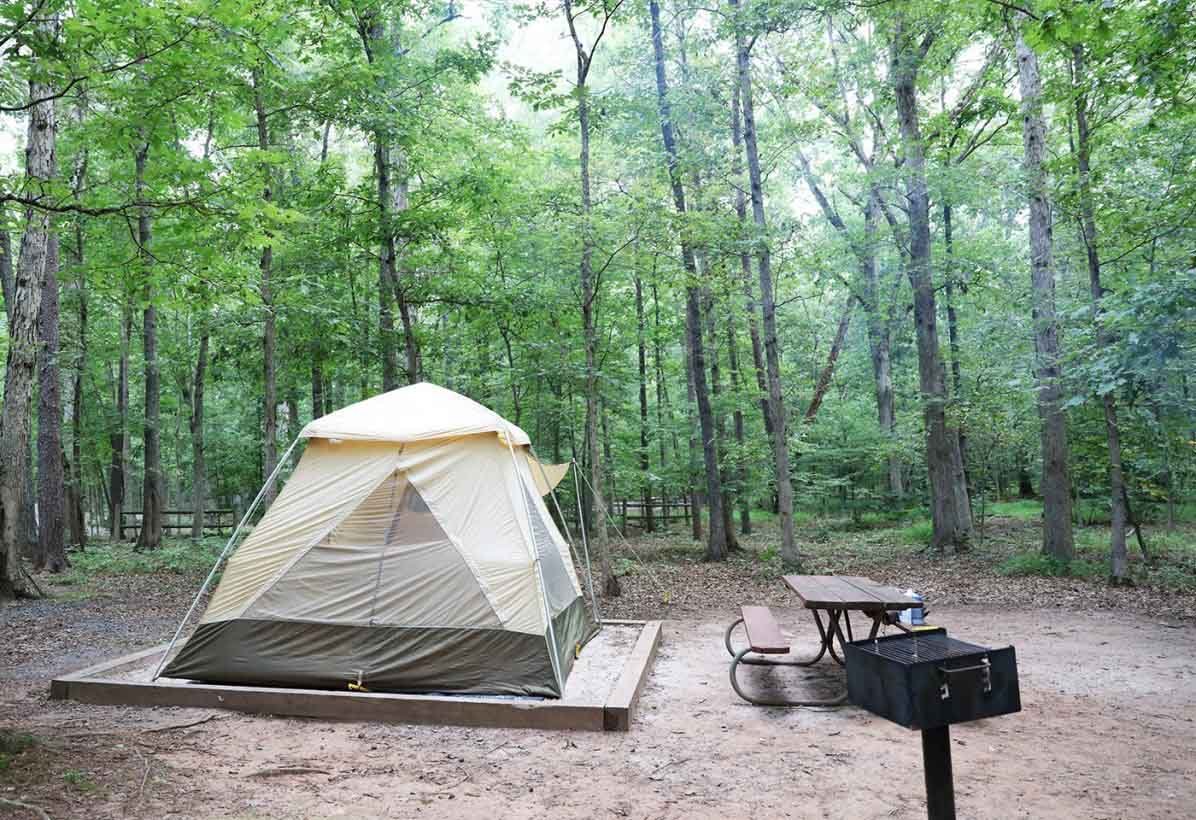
(90, 686)
(623, 700)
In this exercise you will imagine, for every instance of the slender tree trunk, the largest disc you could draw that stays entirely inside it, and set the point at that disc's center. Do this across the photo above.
(695, 493)
(1119, 558)
(880, 343)
(373, 38)
(745, 507)
(1057, 539)
(662, 399)
(950, 509)
(716, 544)
(199, 476)
(832, 358)
(772, 353)
(645, 461)
(51, 480)
(27, 537)
(720, 421)
(119, 438)
(24, 304)
(265, 289)
(589, 296)
(953, 331)
(317, 385)
(150, 536)
(745, 260)
(75, 488)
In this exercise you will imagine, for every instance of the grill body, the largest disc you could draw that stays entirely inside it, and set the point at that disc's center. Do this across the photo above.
(927, 680)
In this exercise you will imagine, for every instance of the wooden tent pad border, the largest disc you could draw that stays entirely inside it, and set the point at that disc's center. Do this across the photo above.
(91, 686)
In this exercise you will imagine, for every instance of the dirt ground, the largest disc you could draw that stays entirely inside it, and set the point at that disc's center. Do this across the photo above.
(1107, 731)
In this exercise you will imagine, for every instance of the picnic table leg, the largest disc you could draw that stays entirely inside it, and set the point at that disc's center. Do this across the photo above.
(755, 701)
(834, 631)
(735, 653)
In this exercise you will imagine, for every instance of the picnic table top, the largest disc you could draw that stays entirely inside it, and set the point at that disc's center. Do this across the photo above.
(846, 592)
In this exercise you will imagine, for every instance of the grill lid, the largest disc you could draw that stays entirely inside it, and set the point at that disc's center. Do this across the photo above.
(918, 648)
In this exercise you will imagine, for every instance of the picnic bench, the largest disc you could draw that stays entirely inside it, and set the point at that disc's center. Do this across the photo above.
(834, 596)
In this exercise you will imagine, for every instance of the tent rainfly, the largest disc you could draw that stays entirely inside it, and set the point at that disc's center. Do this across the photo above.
(410, 551)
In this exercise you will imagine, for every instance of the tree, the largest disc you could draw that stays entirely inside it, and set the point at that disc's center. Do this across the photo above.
(950, 507)
(24, 304)
(716, 542)
(772, 353)
(1057, 540)
(604, 11)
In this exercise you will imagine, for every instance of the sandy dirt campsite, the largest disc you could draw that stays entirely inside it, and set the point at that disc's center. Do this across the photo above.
(1108, 727)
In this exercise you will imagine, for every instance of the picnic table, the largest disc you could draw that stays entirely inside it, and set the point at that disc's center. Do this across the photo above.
(834, 596)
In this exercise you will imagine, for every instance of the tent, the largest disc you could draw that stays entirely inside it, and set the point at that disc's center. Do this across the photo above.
(410, 551)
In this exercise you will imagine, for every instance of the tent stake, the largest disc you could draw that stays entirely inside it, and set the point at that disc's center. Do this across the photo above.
(223, 553)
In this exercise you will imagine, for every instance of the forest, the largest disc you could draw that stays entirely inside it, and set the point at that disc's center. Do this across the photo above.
(772, 259)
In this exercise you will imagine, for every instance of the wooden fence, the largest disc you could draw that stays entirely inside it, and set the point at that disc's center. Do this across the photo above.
(635, 512)
(221, 521)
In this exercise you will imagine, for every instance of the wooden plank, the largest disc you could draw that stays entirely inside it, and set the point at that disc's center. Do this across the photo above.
(623, 700)
(337, 705)
(891, 597)
(846, 592)
(763, 631)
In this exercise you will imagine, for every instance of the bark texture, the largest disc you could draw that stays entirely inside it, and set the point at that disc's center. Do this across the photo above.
(150, 536)
(1057, 539)
(51, 478)
(24, 304)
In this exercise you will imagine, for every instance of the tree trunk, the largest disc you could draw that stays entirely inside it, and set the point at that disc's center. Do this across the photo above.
(880, 344)
(953, 331)
(119, 438)
(75, 489)
(589, 295)
(745, 507)
(832, 357)
(716, 544)
(24, 305)
(317, 385)
(745, 261)
(720, 421)
(51, 483)
(695, 494)
(772, 353)
(266, 265)
(1056, 479)
(645, 461)
(1118, 556)
(150, 536)
(199, 488)
(950, 508)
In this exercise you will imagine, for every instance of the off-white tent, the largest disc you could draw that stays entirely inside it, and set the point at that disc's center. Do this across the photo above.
(409, 551)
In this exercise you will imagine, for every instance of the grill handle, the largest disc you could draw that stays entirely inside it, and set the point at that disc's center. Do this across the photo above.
(984, 668)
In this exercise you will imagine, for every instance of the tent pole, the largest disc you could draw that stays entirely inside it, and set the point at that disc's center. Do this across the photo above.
(581, 520)
(223, 553)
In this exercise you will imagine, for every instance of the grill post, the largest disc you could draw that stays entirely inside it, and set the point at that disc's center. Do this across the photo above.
(940, 782)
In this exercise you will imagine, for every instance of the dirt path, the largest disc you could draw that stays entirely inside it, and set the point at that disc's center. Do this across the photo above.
(1107, 731)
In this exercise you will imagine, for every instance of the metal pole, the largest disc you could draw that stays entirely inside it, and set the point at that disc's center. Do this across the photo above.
(940, 783)
(220, 560)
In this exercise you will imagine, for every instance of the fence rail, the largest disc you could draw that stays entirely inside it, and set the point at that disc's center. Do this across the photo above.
(636, 512)
(220, 521)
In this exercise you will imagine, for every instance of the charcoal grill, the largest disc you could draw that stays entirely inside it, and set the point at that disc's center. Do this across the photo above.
(927, 680)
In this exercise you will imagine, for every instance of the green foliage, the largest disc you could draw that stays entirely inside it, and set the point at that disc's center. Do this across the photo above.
(176, 555)
(79, 780)
(918, 533)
